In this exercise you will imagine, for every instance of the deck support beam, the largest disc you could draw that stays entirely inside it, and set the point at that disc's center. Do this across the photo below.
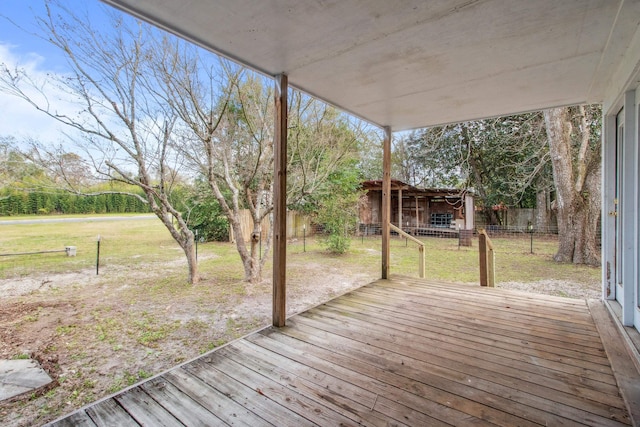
(280, 202)
(386, 201)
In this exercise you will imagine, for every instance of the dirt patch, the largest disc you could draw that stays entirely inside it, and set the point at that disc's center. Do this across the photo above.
(561, 288)
(98, 334)
(43, 282)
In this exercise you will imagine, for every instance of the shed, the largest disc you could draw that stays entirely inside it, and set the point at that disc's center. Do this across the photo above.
(418, 211)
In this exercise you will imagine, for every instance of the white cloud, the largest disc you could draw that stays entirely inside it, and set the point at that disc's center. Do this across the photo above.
(20, 119)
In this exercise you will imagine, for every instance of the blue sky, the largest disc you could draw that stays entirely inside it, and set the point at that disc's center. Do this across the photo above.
(20, 48)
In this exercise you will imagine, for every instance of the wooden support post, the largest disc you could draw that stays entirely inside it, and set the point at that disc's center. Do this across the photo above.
(400, 208)
(421, 267)
(482, 251)
(280, 202)
(469, 213)
(487, 260)
(386, 201)
(491, 266)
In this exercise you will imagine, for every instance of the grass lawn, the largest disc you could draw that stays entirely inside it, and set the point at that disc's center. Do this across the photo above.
(146, 242)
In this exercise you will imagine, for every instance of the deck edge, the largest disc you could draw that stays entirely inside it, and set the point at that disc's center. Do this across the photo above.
(620, 356)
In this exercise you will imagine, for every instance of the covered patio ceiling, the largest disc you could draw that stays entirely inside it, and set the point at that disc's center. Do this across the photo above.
(416, 63)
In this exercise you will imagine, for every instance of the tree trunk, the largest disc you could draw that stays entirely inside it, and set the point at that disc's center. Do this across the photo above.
(192, 262)
(182, 235)
(542, 212)
(577, 194)
(250, 257)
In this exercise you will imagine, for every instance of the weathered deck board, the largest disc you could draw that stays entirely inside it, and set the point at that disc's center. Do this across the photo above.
(453, 354)
(568, 339)
(385, 345)
(109, 413)
(400, 352)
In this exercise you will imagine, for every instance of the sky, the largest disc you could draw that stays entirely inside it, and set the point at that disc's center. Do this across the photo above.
(19, 47)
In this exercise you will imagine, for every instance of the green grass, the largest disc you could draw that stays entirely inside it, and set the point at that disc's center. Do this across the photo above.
(446, 261)
(121, 243)
(147, 244)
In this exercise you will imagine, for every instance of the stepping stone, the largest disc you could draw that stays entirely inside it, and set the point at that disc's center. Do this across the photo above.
(21, 376)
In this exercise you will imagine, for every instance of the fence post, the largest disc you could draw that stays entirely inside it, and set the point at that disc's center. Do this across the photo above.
(491, 265)
(482, 251)
(422, 267)
(487, 260)
(98, 257)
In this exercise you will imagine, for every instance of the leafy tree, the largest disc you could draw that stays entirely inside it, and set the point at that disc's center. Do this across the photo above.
(504, 160)
(205, 214)
(338, 207)
(520, 161)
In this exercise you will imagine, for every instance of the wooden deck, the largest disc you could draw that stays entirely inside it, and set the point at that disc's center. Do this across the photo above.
(399, 352)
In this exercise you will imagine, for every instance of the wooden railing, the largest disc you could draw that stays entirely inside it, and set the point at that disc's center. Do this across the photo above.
(487, 260)
(421, 266)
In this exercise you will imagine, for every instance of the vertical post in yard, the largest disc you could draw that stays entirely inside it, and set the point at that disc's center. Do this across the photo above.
(530, 227)
(482, 251)
(279, 313)
(98, 257)
(386, 201)
(491, 265)
(487, 260)
(304, 237)
(400, 208)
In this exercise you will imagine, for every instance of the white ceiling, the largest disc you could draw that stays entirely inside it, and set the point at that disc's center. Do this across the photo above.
(415, 63)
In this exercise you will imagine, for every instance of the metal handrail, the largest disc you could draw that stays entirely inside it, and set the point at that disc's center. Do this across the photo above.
(421, 267)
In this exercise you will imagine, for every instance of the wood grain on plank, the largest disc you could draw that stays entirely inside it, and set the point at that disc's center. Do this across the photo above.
(109, 413)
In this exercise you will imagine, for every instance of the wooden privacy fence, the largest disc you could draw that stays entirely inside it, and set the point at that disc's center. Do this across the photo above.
(297, 225)
(487, 260)
(421, 266)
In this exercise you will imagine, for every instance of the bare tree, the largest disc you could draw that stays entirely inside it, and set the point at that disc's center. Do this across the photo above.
(121, 126)
(575, 157)
(226, 137)
(226, 116)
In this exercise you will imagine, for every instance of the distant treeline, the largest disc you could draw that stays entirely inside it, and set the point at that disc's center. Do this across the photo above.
(43, 203)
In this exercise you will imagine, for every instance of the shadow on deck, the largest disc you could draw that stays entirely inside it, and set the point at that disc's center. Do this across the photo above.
(397, 352)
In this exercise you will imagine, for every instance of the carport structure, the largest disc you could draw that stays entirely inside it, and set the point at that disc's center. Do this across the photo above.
(409, 64)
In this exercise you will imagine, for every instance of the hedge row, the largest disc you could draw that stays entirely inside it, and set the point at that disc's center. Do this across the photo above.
(18, 203)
